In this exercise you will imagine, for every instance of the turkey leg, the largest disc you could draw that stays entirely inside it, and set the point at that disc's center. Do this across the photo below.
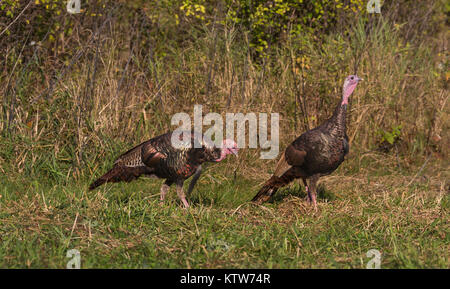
(194, 180)
(164, 189)
(312, 190)
(181, 194)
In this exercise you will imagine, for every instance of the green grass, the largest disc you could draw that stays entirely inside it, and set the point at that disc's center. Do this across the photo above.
(125, 226)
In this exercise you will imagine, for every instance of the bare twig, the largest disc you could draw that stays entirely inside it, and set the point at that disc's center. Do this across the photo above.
(18, 16)
(419, 171)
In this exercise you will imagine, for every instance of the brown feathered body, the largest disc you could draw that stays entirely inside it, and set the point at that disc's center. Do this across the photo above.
(315, 153)
(158, 158)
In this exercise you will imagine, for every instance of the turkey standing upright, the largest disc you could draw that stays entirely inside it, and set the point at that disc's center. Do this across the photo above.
(158, 157)
(315, 153)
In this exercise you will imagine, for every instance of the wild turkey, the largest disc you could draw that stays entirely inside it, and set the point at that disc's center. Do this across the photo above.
(315, 153)
(157, 157)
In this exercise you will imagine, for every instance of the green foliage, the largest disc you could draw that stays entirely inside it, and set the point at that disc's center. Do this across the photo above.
(9, 7)
(390, 136)
(195, 9)
(270, 20)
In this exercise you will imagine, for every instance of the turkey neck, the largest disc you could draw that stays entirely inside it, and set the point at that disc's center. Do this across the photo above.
(336, 124)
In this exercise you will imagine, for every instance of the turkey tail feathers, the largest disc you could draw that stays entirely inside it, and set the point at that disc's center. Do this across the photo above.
(110, 176)
(118, 174)
(269, 188)
(97, 183)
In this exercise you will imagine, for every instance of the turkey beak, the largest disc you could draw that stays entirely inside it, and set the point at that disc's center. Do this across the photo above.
(360, 79)
(234, 152)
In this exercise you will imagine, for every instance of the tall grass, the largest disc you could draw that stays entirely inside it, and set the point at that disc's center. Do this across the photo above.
(120, 92)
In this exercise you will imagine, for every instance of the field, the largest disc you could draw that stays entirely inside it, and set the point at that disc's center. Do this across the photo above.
(96, 83)
(401, 214)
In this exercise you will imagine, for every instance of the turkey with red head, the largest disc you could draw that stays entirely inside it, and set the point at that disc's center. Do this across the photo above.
(169, 156)
(315, 153)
